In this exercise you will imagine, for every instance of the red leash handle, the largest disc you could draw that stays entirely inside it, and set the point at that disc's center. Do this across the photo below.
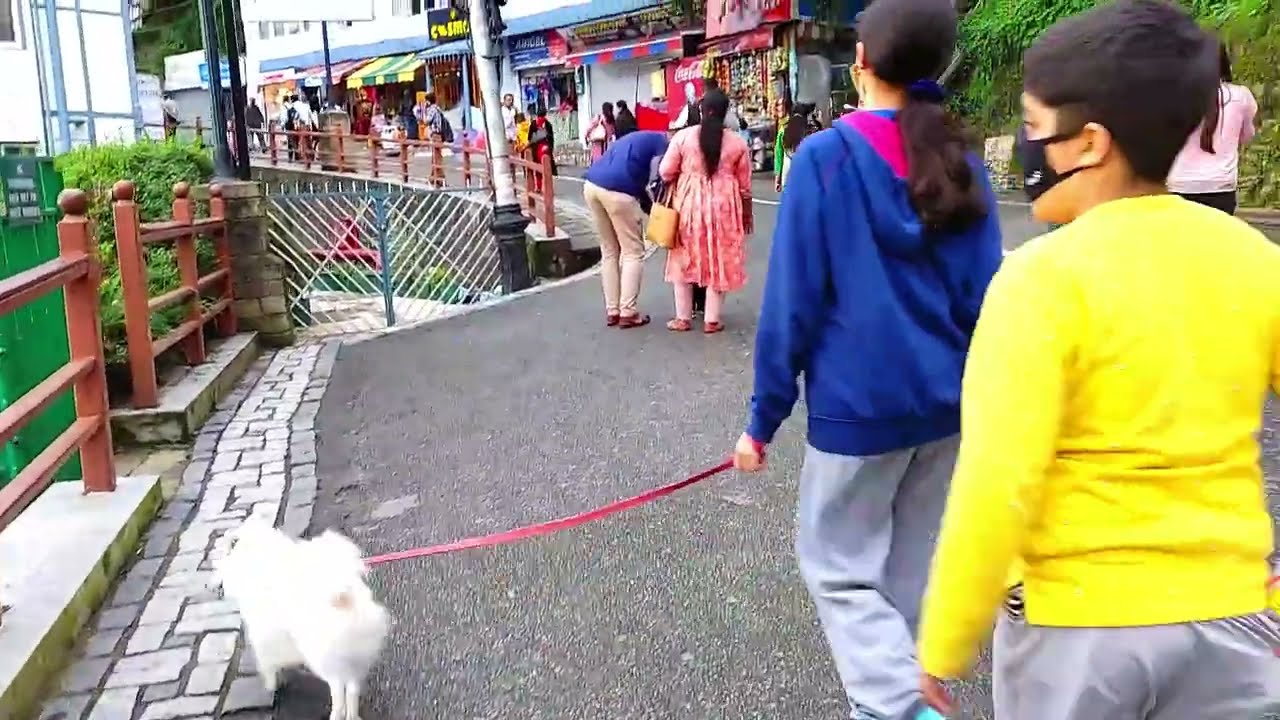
(551, 526)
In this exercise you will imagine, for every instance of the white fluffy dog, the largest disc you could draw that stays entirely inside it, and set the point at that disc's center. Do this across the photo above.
(305, 602)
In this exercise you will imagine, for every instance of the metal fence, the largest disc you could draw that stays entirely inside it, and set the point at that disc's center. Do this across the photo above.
(362, 256)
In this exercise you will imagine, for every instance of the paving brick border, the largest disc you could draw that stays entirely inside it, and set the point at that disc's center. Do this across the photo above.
(165, 645)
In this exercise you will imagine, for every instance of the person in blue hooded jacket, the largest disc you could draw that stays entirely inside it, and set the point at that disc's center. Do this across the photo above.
(886, 239)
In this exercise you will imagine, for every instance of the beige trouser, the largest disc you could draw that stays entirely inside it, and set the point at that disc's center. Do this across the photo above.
(617, 219)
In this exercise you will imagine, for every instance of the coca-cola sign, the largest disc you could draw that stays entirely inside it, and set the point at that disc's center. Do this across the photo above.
(730, 17)
(684, 80)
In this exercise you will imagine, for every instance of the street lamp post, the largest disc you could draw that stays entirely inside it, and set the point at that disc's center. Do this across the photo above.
(222, 162)
(508, 222)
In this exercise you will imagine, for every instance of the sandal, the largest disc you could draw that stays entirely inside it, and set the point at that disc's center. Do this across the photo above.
(679, 325)
(611, 319)
(626, 322)
(711, 328)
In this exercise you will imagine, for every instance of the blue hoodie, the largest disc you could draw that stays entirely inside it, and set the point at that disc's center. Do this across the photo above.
(872, 308)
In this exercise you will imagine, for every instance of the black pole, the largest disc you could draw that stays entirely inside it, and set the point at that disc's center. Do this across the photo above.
(328, 65)
(231, 21)
(222, 163)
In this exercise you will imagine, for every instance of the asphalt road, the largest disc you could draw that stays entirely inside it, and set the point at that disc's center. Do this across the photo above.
(687, 608)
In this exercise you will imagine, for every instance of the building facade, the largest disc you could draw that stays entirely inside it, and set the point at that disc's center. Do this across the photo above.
(568, 57)
(52, 101)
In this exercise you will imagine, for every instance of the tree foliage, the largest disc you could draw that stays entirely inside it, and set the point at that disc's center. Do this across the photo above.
(995, 33)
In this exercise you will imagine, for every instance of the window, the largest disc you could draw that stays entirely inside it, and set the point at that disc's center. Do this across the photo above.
(306, 26)
(8, 23)
(277, 29)
(264, 30)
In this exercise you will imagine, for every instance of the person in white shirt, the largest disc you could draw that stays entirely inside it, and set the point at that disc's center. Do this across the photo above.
(509, 116)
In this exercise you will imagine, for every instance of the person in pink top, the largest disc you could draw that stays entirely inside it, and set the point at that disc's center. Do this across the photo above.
(710, 166)
(1208, 168)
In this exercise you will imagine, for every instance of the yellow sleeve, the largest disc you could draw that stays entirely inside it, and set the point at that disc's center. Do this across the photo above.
(1011, 405)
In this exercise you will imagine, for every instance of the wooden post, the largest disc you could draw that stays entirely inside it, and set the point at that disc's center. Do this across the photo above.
(373, 159)
(466, 163)
(133, 282)
(304, 147)
(404, 161)
(530, 189)
(84, 335)
(226, 320)
(184, 212)
(437, 163)
(199, 132)
(342, 158)
(272, 139)
(548, 197)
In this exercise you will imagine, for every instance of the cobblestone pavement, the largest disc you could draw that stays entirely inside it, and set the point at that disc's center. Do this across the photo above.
(165, 645)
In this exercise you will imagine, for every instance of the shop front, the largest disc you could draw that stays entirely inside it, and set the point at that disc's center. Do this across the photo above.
(313, 80)
(545, 81)
(748, 49)
(385, 86)
(623, 58)
(275, 87)
(449, 71)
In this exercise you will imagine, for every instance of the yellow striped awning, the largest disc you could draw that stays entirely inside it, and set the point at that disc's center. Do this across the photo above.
(386, 70)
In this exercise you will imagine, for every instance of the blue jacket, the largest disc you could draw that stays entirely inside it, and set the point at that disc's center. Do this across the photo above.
(873, 309)
(624, 167)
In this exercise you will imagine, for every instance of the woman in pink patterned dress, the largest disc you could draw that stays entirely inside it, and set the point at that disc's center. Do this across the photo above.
(711, 169)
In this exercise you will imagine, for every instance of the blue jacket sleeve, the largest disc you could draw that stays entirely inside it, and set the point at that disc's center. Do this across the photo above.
(795, 297)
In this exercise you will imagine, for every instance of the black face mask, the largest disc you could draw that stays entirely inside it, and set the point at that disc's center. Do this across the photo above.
(1038, 177)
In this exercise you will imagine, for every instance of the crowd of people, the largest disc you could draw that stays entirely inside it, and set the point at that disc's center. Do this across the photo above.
(1062, 443)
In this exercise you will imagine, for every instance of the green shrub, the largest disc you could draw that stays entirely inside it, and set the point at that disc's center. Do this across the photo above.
(154, 167)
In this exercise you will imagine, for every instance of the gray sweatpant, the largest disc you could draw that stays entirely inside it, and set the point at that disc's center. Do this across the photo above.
(1219, 670)
(866, 533)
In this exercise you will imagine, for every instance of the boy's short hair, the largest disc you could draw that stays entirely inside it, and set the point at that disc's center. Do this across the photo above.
(1141, 68)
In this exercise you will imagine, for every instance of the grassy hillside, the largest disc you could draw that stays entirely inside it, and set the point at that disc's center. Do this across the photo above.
(995, 33)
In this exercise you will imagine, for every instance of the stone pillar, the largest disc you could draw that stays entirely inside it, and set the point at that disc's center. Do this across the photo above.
(257, 274)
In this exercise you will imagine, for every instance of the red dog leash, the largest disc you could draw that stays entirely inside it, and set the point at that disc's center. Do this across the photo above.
(551, 526)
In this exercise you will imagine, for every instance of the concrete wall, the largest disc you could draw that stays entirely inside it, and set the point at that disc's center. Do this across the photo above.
(102, 104)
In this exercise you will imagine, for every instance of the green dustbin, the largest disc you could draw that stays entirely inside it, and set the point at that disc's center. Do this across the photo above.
(33, 339)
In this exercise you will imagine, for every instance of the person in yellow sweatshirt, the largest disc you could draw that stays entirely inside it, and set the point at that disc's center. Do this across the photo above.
(1111, 402)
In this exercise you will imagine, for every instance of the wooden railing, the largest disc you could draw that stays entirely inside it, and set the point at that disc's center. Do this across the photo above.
(537, 193)
(77, 272)
(132, 236)
(425, 162)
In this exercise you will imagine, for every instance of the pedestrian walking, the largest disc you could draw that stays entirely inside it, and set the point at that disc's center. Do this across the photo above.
(886, 238)
(616, 191)
(411, 113)
(256, 124)
(601, 131)
(1108, 488)
(171, 117)
(1208, 168)
(624, 121)
(710, 167)
(542, 143)
(793, 131)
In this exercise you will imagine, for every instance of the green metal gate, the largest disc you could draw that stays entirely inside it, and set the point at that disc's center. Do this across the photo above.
(33, 339)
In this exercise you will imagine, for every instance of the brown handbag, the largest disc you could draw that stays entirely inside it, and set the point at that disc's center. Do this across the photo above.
(664, 222)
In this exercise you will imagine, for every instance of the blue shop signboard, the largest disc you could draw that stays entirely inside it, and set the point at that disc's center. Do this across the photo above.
(546, 47)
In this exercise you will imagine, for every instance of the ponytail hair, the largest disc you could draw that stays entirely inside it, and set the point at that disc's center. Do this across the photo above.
(714, 106)
(940, 178)
(1213, 118)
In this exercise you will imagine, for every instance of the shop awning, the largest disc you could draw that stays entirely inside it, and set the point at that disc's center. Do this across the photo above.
(314, 77)
(627, 51)
(455, 47)
(759, 39)
(278, 76)
(386, 70)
